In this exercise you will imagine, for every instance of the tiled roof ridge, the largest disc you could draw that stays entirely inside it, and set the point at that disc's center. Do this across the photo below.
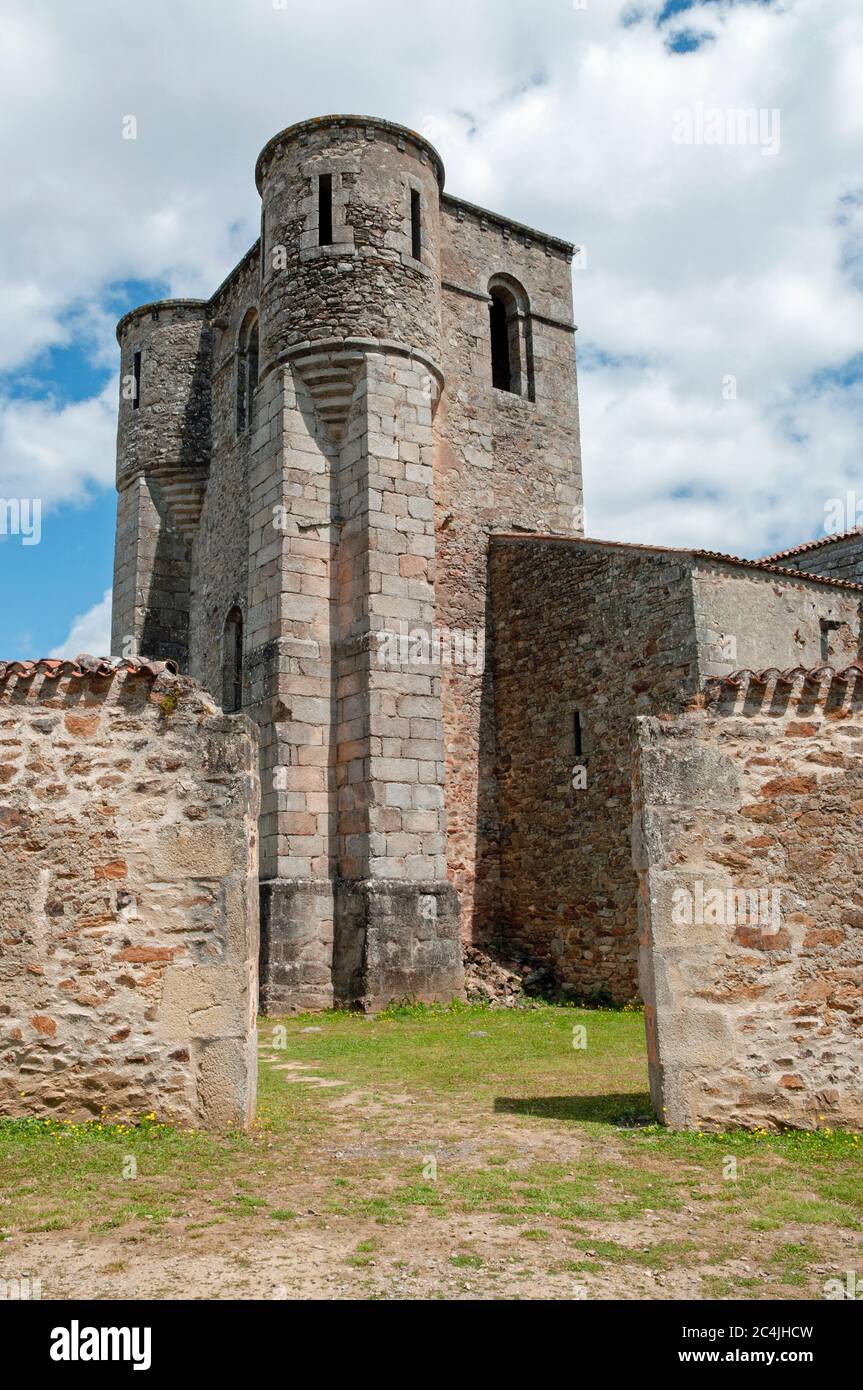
(811, 545)
(772, 675)
(86, 665)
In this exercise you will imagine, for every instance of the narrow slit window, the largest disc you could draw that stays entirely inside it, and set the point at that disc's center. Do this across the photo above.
(511, 338)
(577, 747)
(252, 357)
(232, 663)
(247, 371)
(325, 210)
(136, 374)
(241, 392)
(416, 225)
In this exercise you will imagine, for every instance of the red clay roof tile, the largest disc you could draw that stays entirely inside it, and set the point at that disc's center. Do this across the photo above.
(85, 665)
(811, 545)
(805, 675)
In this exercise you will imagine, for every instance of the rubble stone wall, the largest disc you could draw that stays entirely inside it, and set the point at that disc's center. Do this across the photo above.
(746, 838)
(128, 897)
(602, 633)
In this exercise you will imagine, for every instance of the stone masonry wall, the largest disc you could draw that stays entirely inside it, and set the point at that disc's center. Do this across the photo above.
(128, 896)
(163, 452)
(746, 618)
(614, 631)
(840, 557)
(754, 1002)
(607, 632)
(220, 552)
(502, 462)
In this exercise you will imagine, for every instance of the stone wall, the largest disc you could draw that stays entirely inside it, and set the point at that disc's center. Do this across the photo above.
(746, 839)
(128, 896)
(503, 461)
(747, 618)
(605, 633)
(610, 632)
(222, 541)
(836, 557)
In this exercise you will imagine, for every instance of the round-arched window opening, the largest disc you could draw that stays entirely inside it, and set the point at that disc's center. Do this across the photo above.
(510, 338)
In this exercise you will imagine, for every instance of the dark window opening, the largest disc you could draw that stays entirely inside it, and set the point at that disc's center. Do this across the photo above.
(501, 367)
(252, 363)
(416, 225)
(136, 376)
(241, 393)
(576, 734)
(232, 663)
(247, 371)
(325, 210)
(511, 337)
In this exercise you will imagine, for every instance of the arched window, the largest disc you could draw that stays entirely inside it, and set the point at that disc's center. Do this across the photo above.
(247, 371)
(510, 337)
(232, 662)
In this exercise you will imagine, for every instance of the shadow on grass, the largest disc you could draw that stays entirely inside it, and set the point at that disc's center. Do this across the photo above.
(624, 1108)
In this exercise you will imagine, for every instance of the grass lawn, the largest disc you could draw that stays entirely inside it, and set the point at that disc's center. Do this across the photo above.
(461, 1152)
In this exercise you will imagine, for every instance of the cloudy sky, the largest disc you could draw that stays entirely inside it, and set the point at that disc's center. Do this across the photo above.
(719, 305)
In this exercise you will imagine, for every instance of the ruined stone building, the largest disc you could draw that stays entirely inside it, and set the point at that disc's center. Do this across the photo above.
(371, 679)
(319, 454)
(350, 505)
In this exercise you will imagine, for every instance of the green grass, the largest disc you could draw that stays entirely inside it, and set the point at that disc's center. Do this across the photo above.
(549, 1143)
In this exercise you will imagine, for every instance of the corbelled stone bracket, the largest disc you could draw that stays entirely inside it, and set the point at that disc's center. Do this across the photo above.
(331, 369)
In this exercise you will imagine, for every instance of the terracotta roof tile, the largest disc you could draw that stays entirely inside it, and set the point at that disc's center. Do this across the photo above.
(84, 665)
(812, 545)
(803, 675)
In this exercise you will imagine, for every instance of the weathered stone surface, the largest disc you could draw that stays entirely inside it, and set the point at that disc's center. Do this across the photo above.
(353, 497)
(128, 900)
(611, 632)
(396, 941)
(754, 1002)
(398, 539)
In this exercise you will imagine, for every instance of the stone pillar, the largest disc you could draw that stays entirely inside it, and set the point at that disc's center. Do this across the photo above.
(288, 653)
(396, 929)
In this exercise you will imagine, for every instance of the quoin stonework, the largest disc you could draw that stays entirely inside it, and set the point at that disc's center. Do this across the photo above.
(350, 515)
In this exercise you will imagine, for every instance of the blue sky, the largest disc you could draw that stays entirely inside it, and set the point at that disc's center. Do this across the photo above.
(58, 579)
(705, 263)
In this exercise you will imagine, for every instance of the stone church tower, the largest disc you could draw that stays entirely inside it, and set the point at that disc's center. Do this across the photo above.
(310, 465)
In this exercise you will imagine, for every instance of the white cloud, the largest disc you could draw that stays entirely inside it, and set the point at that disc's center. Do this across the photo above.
(90, 632)
(57, 452)
(702, 261)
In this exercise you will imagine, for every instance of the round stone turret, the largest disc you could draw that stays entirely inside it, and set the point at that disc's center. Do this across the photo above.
(164, 421)
(351, 237)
